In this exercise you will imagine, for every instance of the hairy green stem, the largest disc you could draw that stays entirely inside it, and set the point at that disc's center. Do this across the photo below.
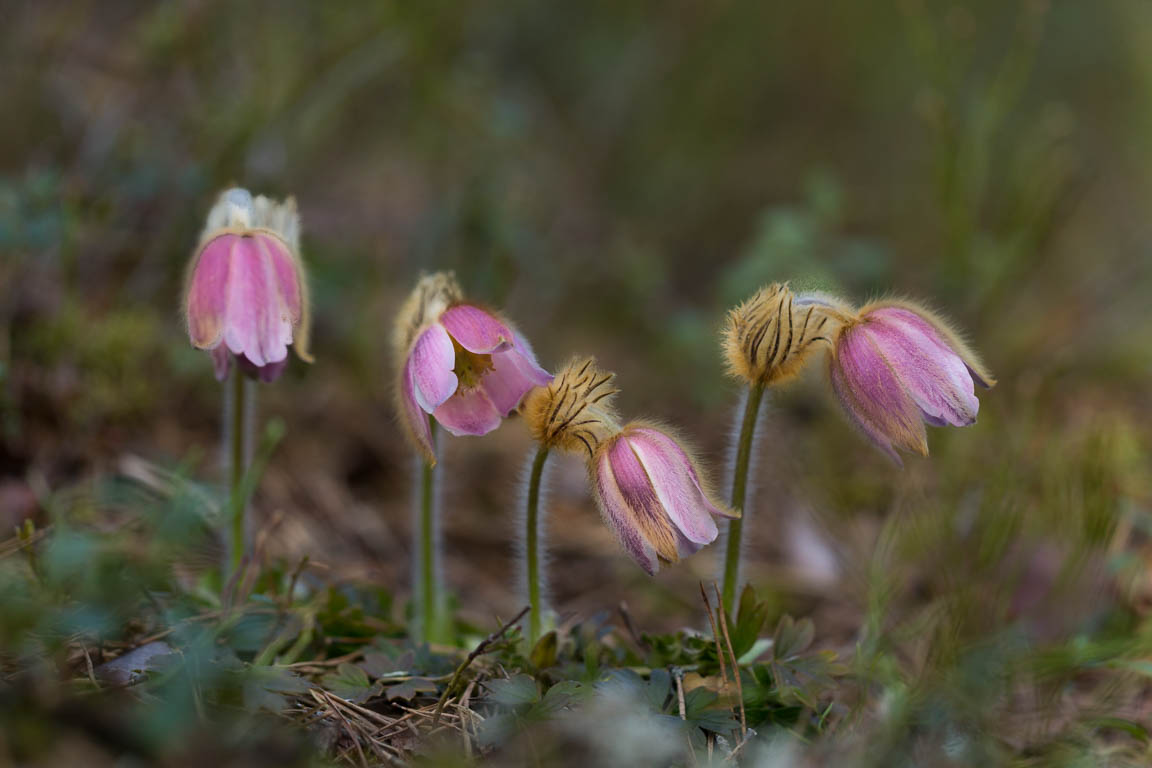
(739, 494)
(532, 546)
(429, 592)
(238, 459)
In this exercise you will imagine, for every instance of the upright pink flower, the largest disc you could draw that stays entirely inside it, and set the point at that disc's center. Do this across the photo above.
(652, 497)
(246, 293)
(462, 364)
(897, 366)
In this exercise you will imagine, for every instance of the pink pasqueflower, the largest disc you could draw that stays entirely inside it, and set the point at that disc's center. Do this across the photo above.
(898, 366)
(246, 293)
(652, 497)
(464, 366)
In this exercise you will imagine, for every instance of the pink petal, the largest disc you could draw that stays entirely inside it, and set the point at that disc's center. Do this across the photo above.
(468, 412)
(513, 374)
(476, 330)
(413, 415)
(221, 361)
(266, 373)
(250, 294)
(287, 278)
(674, 479)
(430, 365)
(619, 516)
(873, 395)
(934, 375)
(647, 512)
(208, 292)
(844, 394)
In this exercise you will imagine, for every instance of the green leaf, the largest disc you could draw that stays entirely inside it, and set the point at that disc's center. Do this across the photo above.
(658, 688)
(264, 687)
(561, 695)
(544, 653)
(410, 689)
(748, 602)
(758, 649)
(513, 692)
(749, 624)
(792, 637)
(378, 664)
(697, 700)
(351, 683)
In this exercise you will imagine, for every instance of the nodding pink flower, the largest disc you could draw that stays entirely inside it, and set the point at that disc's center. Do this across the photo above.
(464, 365)
(652, 496)
(897, 366)
(246, 293)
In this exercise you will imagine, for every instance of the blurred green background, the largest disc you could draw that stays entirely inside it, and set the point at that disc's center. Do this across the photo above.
(615, 175)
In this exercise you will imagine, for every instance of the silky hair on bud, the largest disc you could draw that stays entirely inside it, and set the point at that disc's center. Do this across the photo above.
(432, 295)
(768, 338)
(573, 413)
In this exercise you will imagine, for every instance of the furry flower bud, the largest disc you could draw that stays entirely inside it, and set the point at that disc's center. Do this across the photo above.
(574, 412)
(768, 338)
(897, 366)
(651, 495)
(246, 295)
(462, 364)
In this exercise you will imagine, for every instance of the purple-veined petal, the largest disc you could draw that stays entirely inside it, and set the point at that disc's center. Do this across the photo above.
(674, 480)
(874, 396)
(468, 412)
(619, 517)
(415, 419)
(476, 330)
(513, 374)
(934, 375)
(647, 514)
(208, 292)
(430, 365)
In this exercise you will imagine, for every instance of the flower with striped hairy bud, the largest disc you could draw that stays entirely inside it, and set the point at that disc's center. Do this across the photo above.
(768, 338)
(897, 366)
(652, 497)
(246, 296)
(574, 412)
(463, 365)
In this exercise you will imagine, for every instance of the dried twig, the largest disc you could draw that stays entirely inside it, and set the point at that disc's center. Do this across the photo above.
(716, 636)
(352, 732)
(479, 649)
(678, 676)
(466, 724)
(88, 664)
(735, 663)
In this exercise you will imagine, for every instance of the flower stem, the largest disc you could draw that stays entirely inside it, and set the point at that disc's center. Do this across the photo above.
(429, 593)
(739, 494)
(532, 547)
(237, 465)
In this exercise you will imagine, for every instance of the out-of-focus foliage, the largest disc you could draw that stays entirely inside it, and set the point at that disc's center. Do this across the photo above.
(616, 175)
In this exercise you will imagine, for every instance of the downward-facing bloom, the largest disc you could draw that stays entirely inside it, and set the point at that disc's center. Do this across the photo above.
(651, 495)
(246, 293)
(897, 366)
(463, 365)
